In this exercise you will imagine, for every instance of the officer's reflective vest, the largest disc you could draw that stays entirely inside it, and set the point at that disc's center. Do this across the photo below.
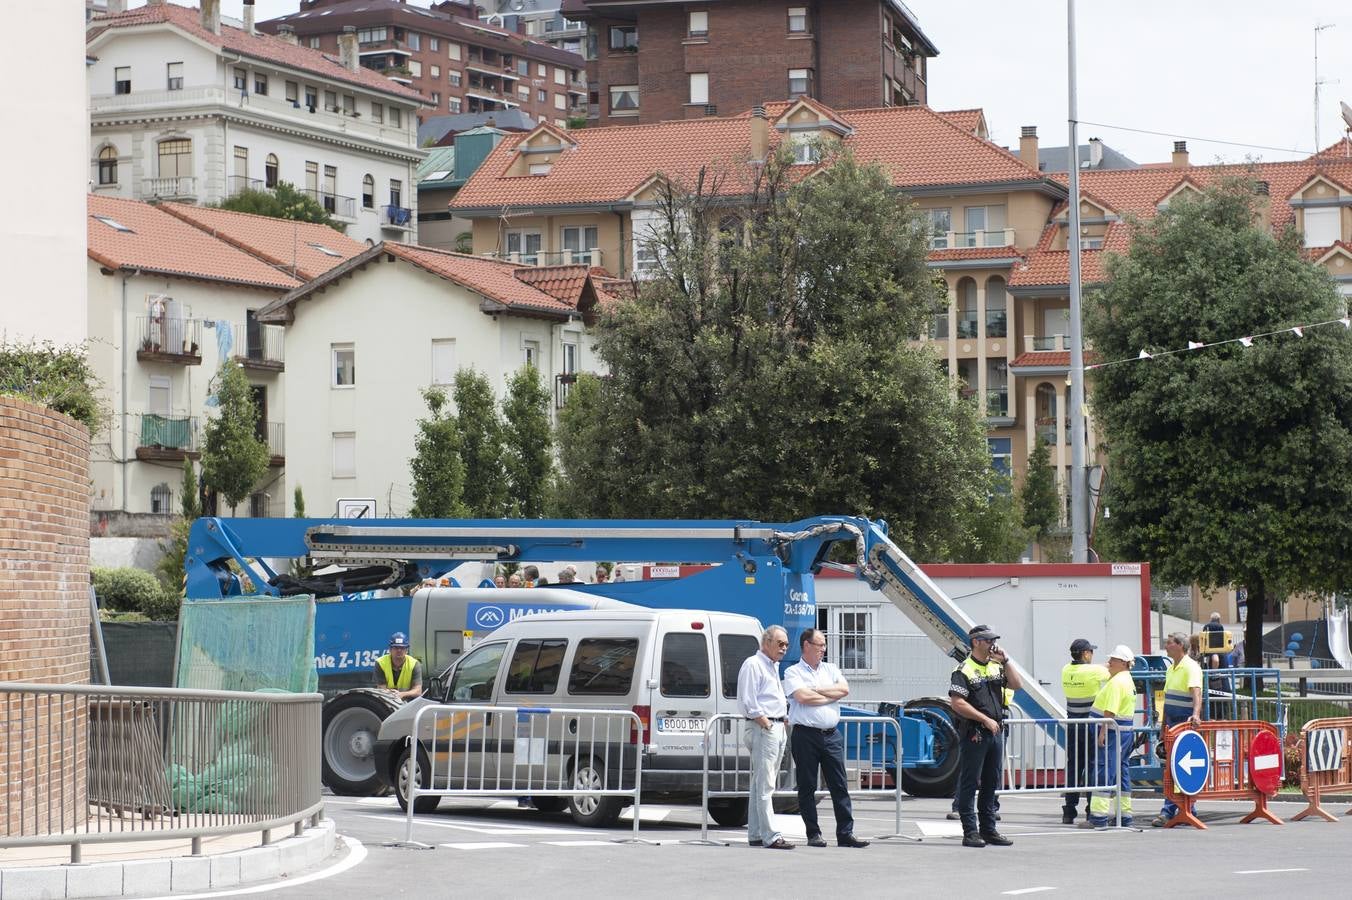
(405, 680)
(1081, 682)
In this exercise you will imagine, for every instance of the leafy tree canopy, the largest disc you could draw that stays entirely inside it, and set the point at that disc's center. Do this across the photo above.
(529, 444)
(438, 472)
(234, 458)
(282, 202)
(481, 445)
(56, 377)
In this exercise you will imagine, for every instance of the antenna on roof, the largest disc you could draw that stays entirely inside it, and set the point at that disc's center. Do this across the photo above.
(1318, 82)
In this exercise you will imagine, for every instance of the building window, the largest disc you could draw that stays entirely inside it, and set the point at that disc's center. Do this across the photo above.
(530, 353)
(161, 499)
(542, 95)
(579, 241)
(453, 104)
(800, 82)
(806, 150)
(453, 50)
(331, 101)
(541, 70)
(436, 99)
(560, 76)
(524, 93)
(242, 166)
(377, 112)
(371, 35)
(453, 78)
(396, 192)
(368, 192)
(175, 158)
(122, 80)
(161, 390)
(330, 199)
(523, 67)
(311, 177)
(260, 84)
(623, 98)
(443, 361)
(699, 87)
(526, 244)
(349, 105)
(293, 93)
(433, 45)
(312, 97)
(560, 102)
(1322, 226)
(540, 168)
(797, 19)
(414, 68)
(978, 221)
(344, 365)
(699, 24)
(434, 71)
(414, 41)
(622, 37)
(270, 167)
(175, 76)
(242, 80)
(570, 357)
(344, 454)
(108, 165)
(396, 117)
(941, 223)
(1002, 455)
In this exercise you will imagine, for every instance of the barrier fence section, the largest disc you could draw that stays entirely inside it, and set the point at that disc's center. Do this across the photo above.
(1326, 757)
(95, 764)
(589, 755)
(1233, 764)
(872, 749)
(1055, 756)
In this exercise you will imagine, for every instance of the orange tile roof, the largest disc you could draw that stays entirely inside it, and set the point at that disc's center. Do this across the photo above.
(162, 244)
(1049, 358)
(495, 279)
(256, 46)
(565, 283)
(959, 253)
(916, 146)
(288, 245)
(969, 120)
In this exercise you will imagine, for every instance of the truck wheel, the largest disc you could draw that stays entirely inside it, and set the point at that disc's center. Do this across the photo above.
(728, 812)
(591, 811)
(941, 779)
(422, 771)
(351, 723)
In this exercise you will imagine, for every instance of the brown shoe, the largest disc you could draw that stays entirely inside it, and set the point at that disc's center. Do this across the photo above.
(779, 844)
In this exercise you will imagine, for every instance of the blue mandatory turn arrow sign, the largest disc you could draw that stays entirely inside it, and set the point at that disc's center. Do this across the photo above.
(1189, 762)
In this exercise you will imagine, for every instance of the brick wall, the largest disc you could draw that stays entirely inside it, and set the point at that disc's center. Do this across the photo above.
(44, 612)
(851, 76)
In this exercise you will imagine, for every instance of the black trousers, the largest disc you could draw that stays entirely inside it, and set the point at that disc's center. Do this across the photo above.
(814, 750)
(982, 762)
(1081, 740)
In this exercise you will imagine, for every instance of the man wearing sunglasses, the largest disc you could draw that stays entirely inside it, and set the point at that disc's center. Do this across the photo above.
(760, 699)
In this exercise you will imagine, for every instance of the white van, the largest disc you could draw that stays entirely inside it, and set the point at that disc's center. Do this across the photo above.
(673, 668)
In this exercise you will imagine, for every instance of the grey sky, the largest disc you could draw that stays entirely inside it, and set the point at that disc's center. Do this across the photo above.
(1236, 70)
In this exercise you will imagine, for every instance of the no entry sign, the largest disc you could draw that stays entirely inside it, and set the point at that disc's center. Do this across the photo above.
(1265, 763)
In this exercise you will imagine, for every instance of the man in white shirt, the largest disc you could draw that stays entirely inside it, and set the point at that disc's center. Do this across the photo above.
(815, 688)
(760, 698)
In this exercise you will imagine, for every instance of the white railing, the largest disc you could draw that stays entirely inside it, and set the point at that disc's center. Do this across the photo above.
(176, 186)
(953, 240)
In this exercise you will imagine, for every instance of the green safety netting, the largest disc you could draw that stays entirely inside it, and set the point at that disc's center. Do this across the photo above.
(248, 645)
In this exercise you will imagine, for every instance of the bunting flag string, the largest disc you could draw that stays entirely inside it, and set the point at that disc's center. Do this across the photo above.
(1246, 341)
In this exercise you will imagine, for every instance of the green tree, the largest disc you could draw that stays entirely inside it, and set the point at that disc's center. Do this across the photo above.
(1041, 502)
(170, 569)
(481, 445)
(1228, 465)
(56, 377)
(189, 501)
(298, 503)
(581, 430)
(994, 531)
(767, 370)
(281, 202)
(437, 470)
(529, 443)
(234, 459)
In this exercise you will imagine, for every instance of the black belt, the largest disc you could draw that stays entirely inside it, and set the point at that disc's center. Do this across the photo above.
(825, 731)
(780, 719)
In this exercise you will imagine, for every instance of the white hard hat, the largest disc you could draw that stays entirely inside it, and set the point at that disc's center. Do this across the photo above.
(1123, 652)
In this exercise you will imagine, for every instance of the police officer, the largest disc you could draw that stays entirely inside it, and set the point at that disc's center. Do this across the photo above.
(976, 691)
(1081, 680)
(398, 671)
(1182, 700)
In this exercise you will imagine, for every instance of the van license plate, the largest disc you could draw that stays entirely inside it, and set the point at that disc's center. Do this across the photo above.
(682, 724)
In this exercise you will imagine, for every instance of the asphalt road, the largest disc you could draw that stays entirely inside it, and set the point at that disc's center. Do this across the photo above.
(493, 849)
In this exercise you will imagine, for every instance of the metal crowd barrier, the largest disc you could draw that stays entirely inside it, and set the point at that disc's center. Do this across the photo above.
(90, 764)
(1326, 763)
(1230, 778)
(520, 751)
(1037, 757)
(872, 752)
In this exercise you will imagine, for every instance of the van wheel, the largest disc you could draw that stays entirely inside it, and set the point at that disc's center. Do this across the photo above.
(728, 812)
(423, 772)
(592, 811)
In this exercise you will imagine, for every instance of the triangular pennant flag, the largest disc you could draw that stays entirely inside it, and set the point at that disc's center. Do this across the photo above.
(1195, 345)
(1298, 331)
(1145, 355)
(1347, 321)
(1246, 341)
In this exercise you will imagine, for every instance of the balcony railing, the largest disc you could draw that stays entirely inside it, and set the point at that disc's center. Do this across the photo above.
(939, 326)
(182, 187)
(967, 324)
(164, 437)
(948, 240)
(1033, 343)
(563, 384)
(591, 257)
(334, 204)
(1047, 434)
(997, 325)
(395, 216)
(997, 402)
(169, 339)
(275, 435)
(235, 184)
(260, 347)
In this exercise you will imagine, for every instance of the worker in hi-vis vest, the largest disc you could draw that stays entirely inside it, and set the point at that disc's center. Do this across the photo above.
(1116, 700)
(1182, 700)
(397, 671)
(1081, 680)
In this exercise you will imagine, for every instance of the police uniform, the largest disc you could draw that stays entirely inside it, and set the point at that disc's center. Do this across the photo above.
(1081, 683)
(1116, 700)
(1179, 681)
(982, 754)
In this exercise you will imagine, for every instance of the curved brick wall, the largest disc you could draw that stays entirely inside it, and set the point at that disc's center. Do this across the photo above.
(44, 608)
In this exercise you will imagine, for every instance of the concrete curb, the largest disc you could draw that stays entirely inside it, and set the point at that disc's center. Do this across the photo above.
(167, 875)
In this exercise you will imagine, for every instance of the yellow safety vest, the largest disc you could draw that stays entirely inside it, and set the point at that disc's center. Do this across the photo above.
(1081, 683)
(405, 680)
(1117, 698)
(1179, 681)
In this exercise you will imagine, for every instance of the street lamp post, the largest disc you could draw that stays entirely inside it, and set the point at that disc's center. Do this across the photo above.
(1079, 508)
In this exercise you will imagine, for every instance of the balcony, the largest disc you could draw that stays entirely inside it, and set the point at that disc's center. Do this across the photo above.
(182, 187)
(1046, 431)
(997, 324)
(1034, 343)
(939, 326)
(334, 204)
(591, 257)
(396, 217)
(563, 384)
(953, 240)
(967, 324)
(274, 433)
(236, 184)
(997, 402)
(261, 347)
(164, 438)
(164, 339)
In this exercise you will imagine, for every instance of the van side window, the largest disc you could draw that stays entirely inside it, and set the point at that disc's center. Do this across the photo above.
(603, 666)
(475, 676)
(535, 667)
(685, 665)
(733, 649)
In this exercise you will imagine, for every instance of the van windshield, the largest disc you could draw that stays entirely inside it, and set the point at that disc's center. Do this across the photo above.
(603, 666)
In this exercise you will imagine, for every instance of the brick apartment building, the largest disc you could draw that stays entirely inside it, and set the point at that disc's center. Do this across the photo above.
(446, 54)
(655, 60)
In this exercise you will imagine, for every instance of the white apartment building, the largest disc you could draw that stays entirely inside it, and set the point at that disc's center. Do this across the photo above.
(356, 368)
(185, 108)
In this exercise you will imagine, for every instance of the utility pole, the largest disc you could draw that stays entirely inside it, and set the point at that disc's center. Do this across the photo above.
(1079, 506)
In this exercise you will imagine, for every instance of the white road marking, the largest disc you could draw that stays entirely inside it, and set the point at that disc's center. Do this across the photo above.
(580, 843)
(939, 828)
(356, 854)
(483, 845)
(1266, 871)
(1032, 890)
(487, 828)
